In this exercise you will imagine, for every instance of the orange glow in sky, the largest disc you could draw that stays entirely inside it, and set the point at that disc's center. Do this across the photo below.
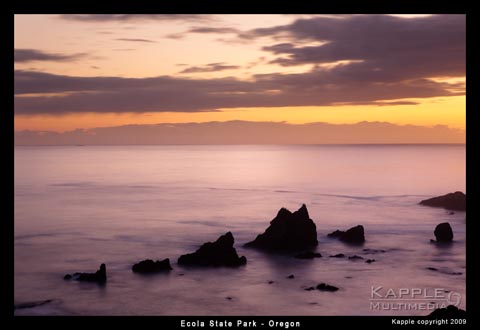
(436, 111)
(154, 48)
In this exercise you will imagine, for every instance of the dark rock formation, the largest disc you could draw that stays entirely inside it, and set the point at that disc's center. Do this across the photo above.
(354, 235)
(340, 255)
(311, 288)
(355, 257)
(449, 312)
(443, 233)
(149, 266)
(456, 201)
(288, 232)
(271, 282)
(326, 287)
(100, 276)
(369, 261)
(219, 253)
(308, 255)
(291, 276)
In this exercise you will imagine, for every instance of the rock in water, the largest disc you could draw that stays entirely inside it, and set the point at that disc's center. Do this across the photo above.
(219, 253)
(354, 235)
(288, 232)
(443, 233)
(339, 255)
(100, 276)
(149, 266)
(355, 257)
(450, 311)
(326, 287)
(456, 201)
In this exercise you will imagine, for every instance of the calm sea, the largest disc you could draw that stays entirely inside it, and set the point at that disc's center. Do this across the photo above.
(76, 207)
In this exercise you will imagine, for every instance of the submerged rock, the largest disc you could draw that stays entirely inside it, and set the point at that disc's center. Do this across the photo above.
(288, 232)
(443, 233)
(340, 255)
(218, 253)
(149, 266)
(291, 276)
(326, 287)
(450, 311)
(100, 276)
(308, 255)
(369, 261)
(456, 201)
(354, 235)
(355, 257)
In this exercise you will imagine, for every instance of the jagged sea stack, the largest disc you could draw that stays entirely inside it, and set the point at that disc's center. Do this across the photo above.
(100, 276)
(288, 232)
(218, 253)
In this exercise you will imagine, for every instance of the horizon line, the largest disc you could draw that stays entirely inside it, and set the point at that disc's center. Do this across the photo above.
(242, 144)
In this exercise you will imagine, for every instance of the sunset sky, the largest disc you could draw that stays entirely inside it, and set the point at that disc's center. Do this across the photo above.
(91, 71)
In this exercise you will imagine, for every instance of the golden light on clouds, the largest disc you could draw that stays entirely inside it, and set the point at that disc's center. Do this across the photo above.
(449, 111)
(239, 67)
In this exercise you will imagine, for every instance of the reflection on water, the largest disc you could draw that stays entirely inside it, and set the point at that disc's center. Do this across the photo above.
(78, 207)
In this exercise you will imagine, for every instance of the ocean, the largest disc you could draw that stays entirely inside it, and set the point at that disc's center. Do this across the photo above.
(79, 206)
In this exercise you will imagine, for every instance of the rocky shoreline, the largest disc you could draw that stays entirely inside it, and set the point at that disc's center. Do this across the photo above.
(293, 234)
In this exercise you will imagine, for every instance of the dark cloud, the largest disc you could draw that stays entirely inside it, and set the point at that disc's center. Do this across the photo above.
(165, 93)
(211, 67)
(385, 48)
(137, 17)
(30, 55)
(204, 30)
(385, 59)
(135, 40)
(244, 132)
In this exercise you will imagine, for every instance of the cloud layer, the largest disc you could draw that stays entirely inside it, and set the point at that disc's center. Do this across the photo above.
(388, 48)
(244, 132)
(31, 55)
(136, 17)
(359, 59)
(211, 67)
(165, 93)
